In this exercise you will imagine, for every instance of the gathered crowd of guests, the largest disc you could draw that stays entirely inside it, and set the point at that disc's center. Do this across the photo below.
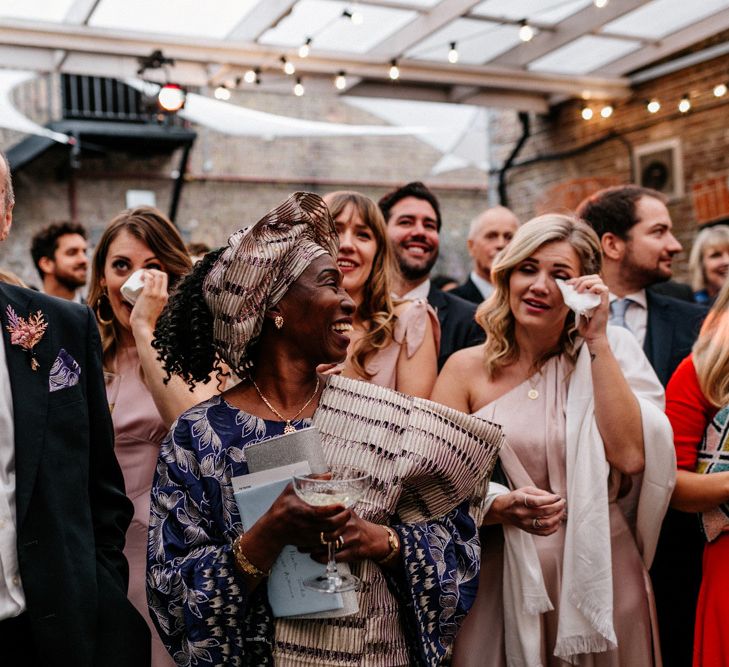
(547, 443)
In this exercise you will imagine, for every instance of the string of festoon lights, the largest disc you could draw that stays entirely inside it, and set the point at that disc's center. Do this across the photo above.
(686, 103)
(526, 30)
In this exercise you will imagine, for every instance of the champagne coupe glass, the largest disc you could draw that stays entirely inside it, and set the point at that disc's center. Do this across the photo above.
(341, 489)
(112, 382)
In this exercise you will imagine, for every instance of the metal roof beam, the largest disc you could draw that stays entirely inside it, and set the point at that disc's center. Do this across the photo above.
(696, 32)
(100, 43)
(587, 20)
(80, 11)
(418, 29)
(265, 15)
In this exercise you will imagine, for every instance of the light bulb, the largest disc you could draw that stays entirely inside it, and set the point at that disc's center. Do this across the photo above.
(298, 88)
(453, 54)
(601, 3)
(357, 17)
(720, 90)
(654, 106)
(586, 113)
(289, 67)
(526, 32)
(305, 48)
(222, 93)
(340, 81)
(171, 97)
(684, 106)
(394, 71)
(250, 76)
(606, 111)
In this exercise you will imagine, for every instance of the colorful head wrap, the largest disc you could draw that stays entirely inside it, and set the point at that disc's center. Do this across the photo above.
(259, 265)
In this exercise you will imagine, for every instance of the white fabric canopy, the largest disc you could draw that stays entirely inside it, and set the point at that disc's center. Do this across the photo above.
(232, 119)
(10, 117)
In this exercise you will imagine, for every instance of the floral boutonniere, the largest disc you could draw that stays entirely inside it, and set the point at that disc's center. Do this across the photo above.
(26, 333)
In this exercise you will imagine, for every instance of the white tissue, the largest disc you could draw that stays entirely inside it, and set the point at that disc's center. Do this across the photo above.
(132, 288)
(583, 304)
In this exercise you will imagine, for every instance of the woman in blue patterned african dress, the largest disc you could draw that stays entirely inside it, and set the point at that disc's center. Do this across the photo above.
(271, 305)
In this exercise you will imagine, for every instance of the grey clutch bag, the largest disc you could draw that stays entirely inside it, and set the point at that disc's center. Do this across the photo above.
(303, 445)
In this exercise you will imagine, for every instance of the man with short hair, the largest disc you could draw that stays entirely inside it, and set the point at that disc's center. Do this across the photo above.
(63, 512)
(490, 232)
(59, 254)
(412, 214)
(638, 246)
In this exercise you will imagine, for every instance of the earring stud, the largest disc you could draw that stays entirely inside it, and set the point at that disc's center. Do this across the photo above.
(278, 321)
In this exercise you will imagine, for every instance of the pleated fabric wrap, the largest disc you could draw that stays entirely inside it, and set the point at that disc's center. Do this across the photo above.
(259, 265)
(425, 459)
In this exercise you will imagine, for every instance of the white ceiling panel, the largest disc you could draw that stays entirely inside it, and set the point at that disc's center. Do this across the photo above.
(547, 12)
(209, 19)
(324, 23)
(584, 55)
(477, 41)
(660, 18)
(36, 10)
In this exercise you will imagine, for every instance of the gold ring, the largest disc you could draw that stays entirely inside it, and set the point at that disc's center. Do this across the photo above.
(340, 543)
(322, 540)
(536, 523)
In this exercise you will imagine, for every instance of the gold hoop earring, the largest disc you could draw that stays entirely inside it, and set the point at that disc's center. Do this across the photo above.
(101, 303)
(278, 321)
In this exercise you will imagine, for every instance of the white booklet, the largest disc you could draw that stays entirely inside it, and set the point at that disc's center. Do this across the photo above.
(254, 494)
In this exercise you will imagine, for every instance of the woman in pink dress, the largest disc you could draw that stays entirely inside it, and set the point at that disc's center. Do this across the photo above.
(564, 558)
(145, 405)
(393, 344)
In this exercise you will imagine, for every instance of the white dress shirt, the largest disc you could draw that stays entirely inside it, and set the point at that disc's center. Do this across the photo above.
(636, 316)
(483, 285)
(419, 292)
(12, 598)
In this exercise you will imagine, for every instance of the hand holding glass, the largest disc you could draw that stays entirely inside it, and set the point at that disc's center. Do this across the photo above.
(319, 492)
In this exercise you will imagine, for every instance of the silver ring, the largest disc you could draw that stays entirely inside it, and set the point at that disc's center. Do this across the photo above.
(536, 523)
(339, 544)
(526, 500)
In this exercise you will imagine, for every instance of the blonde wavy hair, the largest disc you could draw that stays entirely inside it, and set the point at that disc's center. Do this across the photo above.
(377, 310)
(153, 228)
(711, 237)
(495, 315)
(711, 351)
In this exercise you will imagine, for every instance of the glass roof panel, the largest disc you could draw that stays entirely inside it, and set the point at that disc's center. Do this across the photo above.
(210, 19)
(547, 12)
(323, 22)
(659, 18)
(584, 55)
(48, 10)
(477, 41)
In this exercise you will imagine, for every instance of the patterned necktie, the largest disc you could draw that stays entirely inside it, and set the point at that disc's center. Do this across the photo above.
(617, 312)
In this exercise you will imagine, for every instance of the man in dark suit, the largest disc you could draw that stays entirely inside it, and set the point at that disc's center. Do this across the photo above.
(489, 234)
(413, 221)
(638, 245)
(63, 512)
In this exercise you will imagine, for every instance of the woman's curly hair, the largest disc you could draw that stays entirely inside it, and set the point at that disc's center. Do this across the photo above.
(183, 337)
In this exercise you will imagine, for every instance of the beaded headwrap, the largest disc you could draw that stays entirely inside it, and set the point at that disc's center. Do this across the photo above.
(257, 268)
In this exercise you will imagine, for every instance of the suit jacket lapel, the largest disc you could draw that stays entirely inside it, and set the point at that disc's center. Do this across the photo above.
(30, 396)
(659, 336)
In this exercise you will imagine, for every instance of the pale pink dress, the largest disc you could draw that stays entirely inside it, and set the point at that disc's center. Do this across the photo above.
(138, 434)
(534, 455)
(410, 329)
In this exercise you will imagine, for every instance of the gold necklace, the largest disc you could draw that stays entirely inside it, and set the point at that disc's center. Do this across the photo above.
(287, 428)
(533, 394)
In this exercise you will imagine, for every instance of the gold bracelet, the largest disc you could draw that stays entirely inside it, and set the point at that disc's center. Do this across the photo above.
(394, 542)
(243, 563)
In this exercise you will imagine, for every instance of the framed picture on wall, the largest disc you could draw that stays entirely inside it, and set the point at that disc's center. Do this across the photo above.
(659, 165)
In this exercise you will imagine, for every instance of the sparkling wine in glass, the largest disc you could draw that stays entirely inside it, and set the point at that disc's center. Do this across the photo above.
(341, 489)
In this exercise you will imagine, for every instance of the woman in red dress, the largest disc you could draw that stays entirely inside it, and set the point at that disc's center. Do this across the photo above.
(697, 403)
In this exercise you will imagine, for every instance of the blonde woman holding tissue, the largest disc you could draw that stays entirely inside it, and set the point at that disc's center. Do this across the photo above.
(563, 576)
(144, 242)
